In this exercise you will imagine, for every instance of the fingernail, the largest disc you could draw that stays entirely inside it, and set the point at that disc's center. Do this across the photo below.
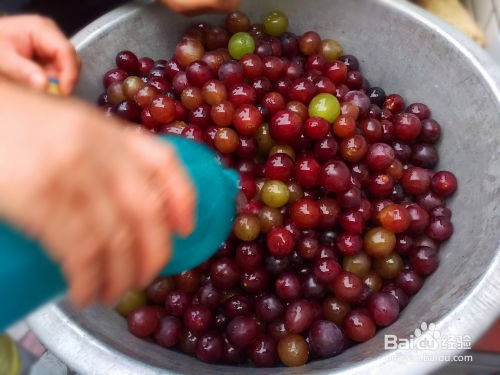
(38, 81)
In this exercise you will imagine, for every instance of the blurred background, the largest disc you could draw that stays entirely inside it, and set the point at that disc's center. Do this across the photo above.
(487, 15)
(479, 19)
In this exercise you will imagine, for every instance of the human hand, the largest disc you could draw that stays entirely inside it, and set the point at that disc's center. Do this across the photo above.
(194, 7)
(33, 49)
(102, 199)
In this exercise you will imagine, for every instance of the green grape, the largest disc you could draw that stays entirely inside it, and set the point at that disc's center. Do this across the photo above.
(275, 193)
(358, 264)
(246, 227)
(326, 106)
(330, 49)
(131, 301)
(275, 23)
(264, 140)
(10, 363)
(240, 45)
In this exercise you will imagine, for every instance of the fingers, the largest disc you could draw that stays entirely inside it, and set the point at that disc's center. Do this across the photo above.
(196, 7)
(110, 230)
(228, 5)
(91, 234)
(20, 69)
(33, 49)
(142, 207)
(171, 178)
(120, 266)
(80, 255)
(95, 243)
(84, 286)
(75, 233)
(115, 255)
(154, 252)
(106, 242)
(56, 51)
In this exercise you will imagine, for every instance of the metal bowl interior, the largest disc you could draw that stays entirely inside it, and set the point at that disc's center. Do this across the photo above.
(402, 50)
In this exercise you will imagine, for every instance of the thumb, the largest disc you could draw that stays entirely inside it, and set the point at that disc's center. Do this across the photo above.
(22, 70)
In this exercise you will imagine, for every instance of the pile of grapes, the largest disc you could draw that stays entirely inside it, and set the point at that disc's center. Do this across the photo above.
(340, 215)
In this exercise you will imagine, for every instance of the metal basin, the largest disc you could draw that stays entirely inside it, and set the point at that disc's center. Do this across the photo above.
(401, 49)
